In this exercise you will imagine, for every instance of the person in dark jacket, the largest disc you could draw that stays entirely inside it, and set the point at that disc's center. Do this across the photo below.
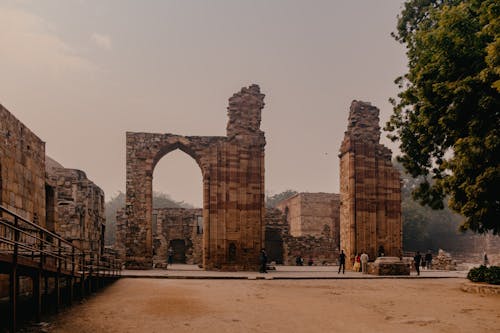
(428, 260)
(342, 262)
(417, 260)
(263, 261)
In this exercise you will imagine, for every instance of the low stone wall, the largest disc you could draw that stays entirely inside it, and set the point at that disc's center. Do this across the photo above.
(322, 250)
(389, 266)
(481, 288)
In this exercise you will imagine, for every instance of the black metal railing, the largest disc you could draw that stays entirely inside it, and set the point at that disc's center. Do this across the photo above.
(27, 248)
(23, 239)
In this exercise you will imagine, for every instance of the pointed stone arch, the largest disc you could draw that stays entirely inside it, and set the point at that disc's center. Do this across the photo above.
(233, 187)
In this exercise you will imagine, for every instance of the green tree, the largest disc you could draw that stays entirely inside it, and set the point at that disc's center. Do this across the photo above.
(425, 228)
(160, 200)
(447, 114)
(273, 200)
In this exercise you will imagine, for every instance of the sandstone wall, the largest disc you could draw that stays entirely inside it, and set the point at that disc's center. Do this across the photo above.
(370, 188)
(312, 214)
(233, 187)
(78, 208)
(177, 224)
(291, 207)
(22, 169)
(323, 248)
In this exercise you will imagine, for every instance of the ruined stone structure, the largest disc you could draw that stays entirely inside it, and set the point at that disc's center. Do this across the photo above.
(312, 214)
(306, 224)
(370, 188)
(41, 190)
(275, 233)
(75, 206)
(181, 230)
(22, 169)
(233, 188)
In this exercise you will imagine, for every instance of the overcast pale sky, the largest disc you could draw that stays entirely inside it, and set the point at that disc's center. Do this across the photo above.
(82, 73)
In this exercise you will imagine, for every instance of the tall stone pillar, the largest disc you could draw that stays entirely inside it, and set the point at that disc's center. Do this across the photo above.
(370, 188)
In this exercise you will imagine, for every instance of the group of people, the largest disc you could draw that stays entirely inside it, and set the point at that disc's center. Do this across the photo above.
(419, 261)
(360, 262)
(299, 261)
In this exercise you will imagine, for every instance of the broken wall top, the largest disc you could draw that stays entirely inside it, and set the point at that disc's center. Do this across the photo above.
(363, 122)
(244, 112)
(363, 128)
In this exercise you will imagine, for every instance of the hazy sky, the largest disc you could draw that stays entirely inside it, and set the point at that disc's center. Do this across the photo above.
(82, 73)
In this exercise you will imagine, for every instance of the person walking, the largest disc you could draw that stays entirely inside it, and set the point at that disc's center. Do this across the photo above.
(416, 260)
(170, 256)
(342, 262)
(357, 263)
(263, 261)
(364, 262)
(428, 260)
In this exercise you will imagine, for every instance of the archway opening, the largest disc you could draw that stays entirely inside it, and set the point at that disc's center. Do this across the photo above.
(177, 216)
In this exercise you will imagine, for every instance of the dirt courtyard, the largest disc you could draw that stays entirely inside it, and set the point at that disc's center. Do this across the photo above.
(388, 305)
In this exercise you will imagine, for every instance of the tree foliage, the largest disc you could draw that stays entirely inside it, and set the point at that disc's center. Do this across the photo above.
(427, 229)
(273, 200)
(447, 114)
(160, 200)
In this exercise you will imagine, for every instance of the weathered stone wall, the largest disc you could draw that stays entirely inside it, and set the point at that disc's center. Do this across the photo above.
(312, 214)
(177, 224)
(22, 169)
(276, 228)
(233, 187)
(44, 192)
(291, 208)
(323, 248)
(78, 207)
(121, 233)
(370, 188)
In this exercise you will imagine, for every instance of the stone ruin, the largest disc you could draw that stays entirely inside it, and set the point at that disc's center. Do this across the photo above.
(75, 207)
(370, 189)
(444, 261)
(41, 190)
(309, 227)
(233, 188)
(180, 229)
(367, 214)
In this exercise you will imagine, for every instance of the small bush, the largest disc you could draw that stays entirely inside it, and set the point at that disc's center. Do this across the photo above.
(484, 274)
(492, 276)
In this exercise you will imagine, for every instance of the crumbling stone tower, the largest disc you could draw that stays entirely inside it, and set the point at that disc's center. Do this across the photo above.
(233, 188)
(370, 188)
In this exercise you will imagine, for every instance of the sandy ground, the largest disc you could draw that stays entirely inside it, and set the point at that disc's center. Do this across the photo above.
(175, 305)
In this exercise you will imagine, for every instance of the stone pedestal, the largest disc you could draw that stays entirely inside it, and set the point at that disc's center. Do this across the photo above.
(388, 266)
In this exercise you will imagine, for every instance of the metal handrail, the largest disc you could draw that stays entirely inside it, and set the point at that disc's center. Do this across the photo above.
(35, 226)
(45, 244)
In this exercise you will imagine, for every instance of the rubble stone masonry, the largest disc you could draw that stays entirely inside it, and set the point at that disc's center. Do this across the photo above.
(181, 230)
(370, 188)
(233, 188)
(283, 248)
(22, 169)
(78, 207)
(312, 214)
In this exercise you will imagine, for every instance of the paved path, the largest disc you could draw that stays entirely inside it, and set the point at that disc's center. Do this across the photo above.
(180, 271)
